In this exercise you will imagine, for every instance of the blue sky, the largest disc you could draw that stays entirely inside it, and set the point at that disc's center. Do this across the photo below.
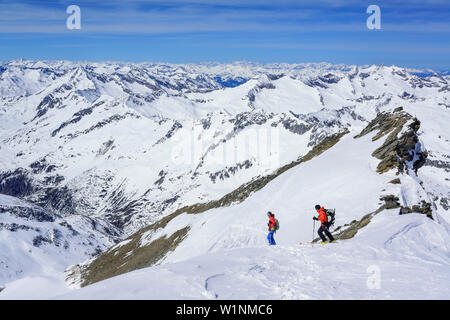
(413, 33)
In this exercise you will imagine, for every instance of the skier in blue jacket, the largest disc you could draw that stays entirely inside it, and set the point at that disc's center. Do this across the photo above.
(272, 223)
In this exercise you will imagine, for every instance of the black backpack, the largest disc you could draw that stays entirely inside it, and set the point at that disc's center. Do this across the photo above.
(331, 215)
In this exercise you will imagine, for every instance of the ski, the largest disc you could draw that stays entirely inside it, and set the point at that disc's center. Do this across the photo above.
(311, 243)
(327, 242)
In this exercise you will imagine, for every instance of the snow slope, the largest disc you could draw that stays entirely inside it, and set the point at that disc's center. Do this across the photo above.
(339, 178)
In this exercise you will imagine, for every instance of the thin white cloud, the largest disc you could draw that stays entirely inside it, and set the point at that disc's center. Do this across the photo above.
(125, 16)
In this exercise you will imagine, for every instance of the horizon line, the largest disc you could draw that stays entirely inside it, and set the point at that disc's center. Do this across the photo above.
(429, 69)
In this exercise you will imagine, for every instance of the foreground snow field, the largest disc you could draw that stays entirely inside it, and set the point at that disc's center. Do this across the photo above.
(410, 256)
(395, 257)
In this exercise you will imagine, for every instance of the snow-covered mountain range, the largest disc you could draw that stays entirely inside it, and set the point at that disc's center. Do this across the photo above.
(183, 161)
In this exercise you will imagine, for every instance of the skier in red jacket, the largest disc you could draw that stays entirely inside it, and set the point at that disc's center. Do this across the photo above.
(272, 223)
(324, 224)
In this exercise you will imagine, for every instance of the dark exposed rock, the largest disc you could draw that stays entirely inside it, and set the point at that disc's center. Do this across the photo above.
(57, 199)
(245, 119)
(319, 128)
(407, 96)
(225, 173)
(39, 166)
(295, 127)
(438, 164)
(396, 152)
(75, 118)
(363, 75)
(206, 123)
(45, 192)
(13, 227)
(120, 215)
(385, 123)
(162, 174)
(69, 227)
(444, 89)
(445, 203)
(177, 125)
(53, 180)
(274, 77)
(391, 201)
(16, 183)
(405, 210)
(330, 78)
(49, 102)
(113, 118)
(350, 230)
(50, 168)
(423, 208)
(252, 93)
(39, 240)
(395, 181)
(106, 146)
(316, 82)
(366, 98)
(121, 208)
(56, 237)
(29, 213)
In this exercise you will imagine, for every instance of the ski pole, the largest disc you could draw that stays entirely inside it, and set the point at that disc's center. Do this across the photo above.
(314, 228)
